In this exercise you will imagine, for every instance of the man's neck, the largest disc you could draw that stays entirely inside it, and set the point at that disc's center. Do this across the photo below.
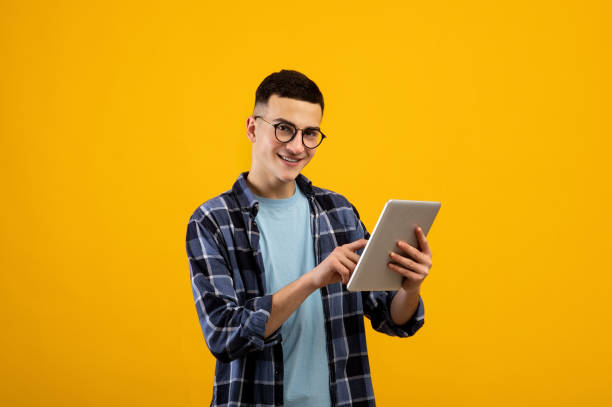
(272, 189)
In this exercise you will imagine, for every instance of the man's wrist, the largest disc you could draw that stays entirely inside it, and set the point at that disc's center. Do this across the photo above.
(404, 305)
(411, 292)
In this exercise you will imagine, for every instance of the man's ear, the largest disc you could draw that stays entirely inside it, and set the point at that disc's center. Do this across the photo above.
(250, 127)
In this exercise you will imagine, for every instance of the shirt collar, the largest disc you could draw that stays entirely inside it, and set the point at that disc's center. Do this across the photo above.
(248, 201)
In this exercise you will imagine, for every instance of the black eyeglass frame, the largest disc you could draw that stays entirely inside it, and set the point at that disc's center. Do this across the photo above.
(275, 125)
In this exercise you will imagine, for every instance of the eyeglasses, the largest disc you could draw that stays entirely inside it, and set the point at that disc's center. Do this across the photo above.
(285, 132)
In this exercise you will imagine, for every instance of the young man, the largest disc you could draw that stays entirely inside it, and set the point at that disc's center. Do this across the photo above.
(269, 260)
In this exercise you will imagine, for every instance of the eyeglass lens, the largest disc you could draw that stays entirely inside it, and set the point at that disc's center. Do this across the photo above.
(311, 137)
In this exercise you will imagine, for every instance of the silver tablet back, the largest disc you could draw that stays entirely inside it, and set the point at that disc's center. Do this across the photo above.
(396, 222)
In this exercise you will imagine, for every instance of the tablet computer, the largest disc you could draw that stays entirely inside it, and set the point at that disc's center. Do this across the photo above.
(396, 222)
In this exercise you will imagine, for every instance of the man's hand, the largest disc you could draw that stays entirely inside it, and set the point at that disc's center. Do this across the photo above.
(338, 266)
(414, 265)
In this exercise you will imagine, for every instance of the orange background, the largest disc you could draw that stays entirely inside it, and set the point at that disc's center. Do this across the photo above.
(117, 119)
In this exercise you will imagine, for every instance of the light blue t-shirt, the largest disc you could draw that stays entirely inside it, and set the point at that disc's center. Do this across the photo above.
(287, 250)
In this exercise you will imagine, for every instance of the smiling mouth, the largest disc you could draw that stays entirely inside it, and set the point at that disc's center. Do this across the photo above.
(290, 160)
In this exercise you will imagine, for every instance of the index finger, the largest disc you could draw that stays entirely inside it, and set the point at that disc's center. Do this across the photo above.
(357, 244)
(424, 245)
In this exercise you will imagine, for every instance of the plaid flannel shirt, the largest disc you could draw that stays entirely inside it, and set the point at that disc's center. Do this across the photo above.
(228, 287)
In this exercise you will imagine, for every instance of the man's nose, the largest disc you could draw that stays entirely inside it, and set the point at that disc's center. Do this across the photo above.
(296, 146)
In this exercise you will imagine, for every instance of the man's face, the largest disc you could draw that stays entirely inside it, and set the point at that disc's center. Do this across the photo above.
(273, 160)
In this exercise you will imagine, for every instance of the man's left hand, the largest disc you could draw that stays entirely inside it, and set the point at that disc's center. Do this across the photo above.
(414, 264)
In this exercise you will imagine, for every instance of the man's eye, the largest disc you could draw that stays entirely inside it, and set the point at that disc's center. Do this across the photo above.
(283, 127)
(311, 133)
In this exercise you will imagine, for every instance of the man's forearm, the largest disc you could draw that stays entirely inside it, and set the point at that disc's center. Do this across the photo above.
(404, 305)
(286, 300)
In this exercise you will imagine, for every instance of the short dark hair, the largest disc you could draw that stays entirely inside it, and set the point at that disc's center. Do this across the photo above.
(288, 84)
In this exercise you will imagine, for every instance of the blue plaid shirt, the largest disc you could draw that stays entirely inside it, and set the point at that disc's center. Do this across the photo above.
(228, 285)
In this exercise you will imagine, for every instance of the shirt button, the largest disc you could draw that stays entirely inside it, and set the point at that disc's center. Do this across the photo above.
(276, 372)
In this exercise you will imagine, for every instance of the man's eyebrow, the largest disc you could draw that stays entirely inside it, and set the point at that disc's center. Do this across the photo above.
(280, 119)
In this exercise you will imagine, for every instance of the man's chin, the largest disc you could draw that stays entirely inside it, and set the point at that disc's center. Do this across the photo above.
(289, 177)
(288, 174)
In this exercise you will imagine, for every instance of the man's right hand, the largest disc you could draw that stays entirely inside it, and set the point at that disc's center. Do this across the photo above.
(338, 266)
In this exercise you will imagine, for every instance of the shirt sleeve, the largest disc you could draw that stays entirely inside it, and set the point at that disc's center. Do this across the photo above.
(230, 329)
(377, 307)
(377, 304)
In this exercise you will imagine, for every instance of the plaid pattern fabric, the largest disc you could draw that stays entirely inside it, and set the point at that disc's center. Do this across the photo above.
(227, 279)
